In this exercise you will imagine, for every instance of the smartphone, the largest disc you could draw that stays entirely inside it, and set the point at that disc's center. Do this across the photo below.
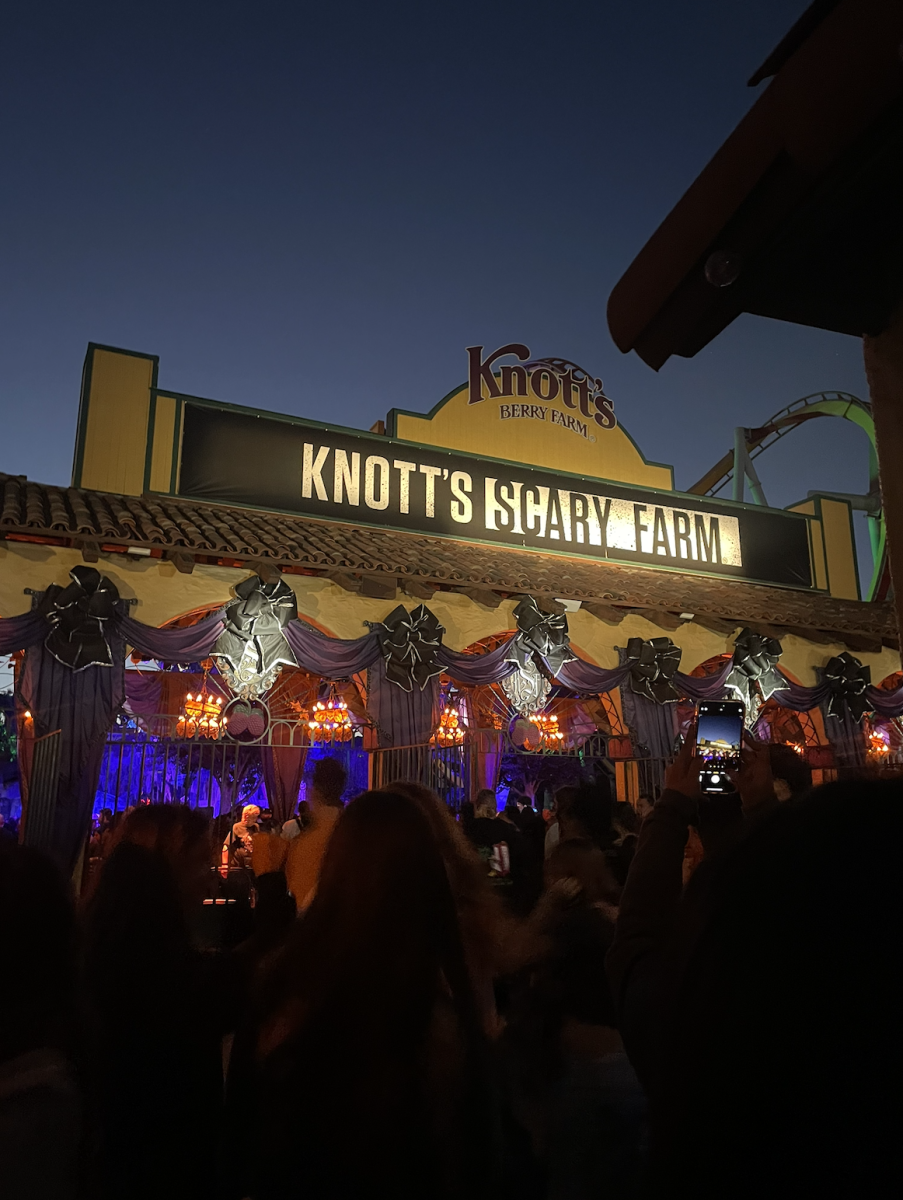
(719, 736)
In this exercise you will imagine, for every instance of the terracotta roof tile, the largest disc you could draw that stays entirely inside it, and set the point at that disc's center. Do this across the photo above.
(156, 520)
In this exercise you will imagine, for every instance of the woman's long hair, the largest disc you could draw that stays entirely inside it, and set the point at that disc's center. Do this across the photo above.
(485, 924)
(350, 1008)
(137, 937)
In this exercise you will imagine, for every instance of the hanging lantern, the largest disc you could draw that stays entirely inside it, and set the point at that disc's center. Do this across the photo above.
(201, 716)
(450, 730)
(329, 720)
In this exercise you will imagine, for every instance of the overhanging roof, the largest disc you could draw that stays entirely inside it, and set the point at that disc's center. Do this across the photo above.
(797, 216)
(187, 532)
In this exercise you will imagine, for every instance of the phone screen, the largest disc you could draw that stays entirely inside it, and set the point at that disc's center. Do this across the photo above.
(719, 735)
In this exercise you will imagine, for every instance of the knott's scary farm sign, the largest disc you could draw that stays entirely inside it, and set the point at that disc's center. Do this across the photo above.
(559, 392)
(240, 457)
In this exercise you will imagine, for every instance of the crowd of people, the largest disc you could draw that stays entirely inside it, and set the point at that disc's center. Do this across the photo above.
(682, 995)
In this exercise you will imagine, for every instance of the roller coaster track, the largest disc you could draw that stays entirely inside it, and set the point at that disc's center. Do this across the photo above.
(757, 441)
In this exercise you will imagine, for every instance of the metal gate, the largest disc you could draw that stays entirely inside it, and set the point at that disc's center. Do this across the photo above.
(488, 757)
(39, 809)
(445, 770)
(150, 758)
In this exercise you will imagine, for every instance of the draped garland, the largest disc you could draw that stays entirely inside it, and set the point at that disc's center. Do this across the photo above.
(75, 641)
(81, 641)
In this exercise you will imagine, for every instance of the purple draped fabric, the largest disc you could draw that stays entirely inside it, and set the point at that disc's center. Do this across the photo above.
(18, 633)
(706, 687)
(402, 718)
(143, 691)
(82, 706)
(476, 669)
(333, 658)
(584, 677)
(885, 703)
(654, 726)
(283, 767)
(189, 643)
(845, 735)
(798, 697)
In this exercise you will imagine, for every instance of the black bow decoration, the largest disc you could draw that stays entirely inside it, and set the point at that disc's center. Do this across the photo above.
(540, 633)
(253, 643)
(755, 662)
(847, 680)
(78, 615)
(409, 643)
(653, 665)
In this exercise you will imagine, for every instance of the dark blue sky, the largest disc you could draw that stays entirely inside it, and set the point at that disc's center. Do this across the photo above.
(315, 208)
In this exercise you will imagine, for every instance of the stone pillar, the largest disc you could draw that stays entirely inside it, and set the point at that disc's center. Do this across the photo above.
(884, 369)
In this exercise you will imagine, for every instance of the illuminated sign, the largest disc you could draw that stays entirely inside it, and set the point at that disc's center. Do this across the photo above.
(557, 391)
(239, 457)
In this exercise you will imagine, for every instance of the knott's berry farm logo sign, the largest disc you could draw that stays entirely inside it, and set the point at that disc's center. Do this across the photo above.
(554, 390)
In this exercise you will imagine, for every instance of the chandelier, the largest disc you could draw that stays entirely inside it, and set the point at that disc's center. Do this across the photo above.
(550, 736)
(201, 716)
(877, 744)
(450, 730)
(329, 720)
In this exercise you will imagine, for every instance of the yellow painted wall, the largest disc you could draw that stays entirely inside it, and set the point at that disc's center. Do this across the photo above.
(816, 544)
(839, 549)
(164, 593)
(166, 412)
(479, 429)
(113, 419)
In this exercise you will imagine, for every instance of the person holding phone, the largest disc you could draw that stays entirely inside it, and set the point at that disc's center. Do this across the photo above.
(650, 905)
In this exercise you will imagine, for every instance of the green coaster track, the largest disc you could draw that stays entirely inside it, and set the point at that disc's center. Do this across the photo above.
(750, 443)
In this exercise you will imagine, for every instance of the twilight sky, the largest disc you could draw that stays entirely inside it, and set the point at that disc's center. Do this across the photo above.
(314, 208)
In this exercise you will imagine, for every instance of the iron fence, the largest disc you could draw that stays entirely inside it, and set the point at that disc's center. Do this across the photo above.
(39, 809)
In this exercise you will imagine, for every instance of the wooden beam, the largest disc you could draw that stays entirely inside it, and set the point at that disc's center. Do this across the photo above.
(418, 589)
(482, 596)
(267, 570)
(716, 624)
(89, 548)
(342, 579)
(858, 644)
(664, 620)
(379, 587)
(604, 612)
(181, 560)
(548, 604)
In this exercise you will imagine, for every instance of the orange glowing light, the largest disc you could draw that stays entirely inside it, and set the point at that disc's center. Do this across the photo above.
(201, 716)
(330, 721)
(551, 737)
(450, 730)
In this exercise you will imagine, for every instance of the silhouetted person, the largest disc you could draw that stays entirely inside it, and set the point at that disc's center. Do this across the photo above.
(760, 1005)
(298, 823)
(158, 1010)
(370, 1053)
(572, 1085)
(305, 852)
(486, 924)
(533, 833)
(41, 1104)
(499, 843)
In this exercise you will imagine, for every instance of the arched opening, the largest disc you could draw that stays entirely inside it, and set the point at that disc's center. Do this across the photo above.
(536, 742)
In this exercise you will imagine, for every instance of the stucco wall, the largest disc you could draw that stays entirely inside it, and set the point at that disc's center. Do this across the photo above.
(164, 593)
